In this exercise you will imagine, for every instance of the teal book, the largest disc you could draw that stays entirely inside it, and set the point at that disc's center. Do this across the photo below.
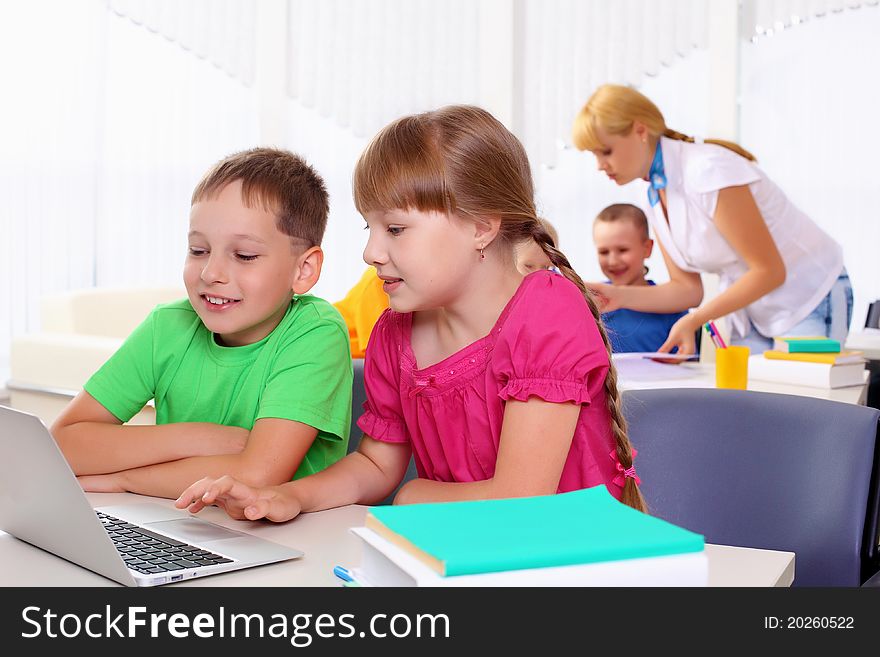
(486, 536)
(806, 345)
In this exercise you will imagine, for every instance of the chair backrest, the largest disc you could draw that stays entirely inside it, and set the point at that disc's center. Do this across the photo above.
(358, 397)
(873, 582)
(872, 318)
(107, 311)
(766, 471)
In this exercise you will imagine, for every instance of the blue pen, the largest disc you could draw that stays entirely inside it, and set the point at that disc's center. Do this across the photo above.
(344, 575)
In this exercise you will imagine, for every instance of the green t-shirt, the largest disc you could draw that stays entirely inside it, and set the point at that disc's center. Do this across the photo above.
(301, 371)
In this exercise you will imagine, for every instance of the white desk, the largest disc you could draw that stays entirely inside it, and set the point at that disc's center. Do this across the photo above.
(326, 541)
(649, 374)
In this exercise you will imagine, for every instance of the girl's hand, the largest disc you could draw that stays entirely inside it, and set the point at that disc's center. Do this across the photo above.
(239, 500)
(103, 483)
(681, 335)
(607, 296)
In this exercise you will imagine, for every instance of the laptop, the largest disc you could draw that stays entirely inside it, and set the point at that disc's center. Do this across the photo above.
(146, 544)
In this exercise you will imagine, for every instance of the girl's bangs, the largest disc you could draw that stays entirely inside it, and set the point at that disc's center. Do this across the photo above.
(401, 169)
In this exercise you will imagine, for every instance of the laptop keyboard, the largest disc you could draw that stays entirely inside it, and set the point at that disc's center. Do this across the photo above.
(148, 552)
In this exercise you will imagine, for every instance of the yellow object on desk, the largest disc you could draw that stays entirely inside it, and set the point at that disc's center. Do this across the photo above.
(732, 367)
(839, 358)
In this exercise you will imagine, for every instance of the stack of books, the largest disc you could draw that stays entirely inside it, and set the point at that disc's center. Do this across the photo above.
(580, 538)
(816, 362)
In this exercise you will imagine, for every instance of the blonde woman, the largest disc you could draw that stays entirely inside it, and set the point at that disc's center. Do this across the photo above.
(713, 210)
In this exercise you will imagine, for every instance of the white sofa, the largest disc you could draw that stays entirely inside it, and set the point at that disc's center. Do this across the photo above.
(80, 330)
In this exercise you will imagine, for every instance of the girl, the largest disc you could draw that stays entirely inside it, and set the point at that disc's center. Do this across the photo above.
(714, 210)
(464, 370)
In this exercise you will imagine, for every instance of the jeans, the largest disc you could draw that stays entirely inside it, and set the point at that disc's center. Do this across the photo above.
(830, 318)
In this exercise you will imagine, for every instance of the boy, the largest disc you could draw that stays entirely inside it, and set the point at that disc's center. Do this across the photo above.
(620, 233)
(248, 377)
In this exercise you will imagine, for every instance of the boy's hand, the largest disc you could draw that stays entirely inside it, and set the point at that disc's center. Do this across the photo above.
(239, 500)
(103, 483)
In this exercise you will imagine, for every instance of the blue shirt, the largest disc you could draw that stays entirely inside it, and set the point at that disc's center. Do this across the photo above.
(632, 330)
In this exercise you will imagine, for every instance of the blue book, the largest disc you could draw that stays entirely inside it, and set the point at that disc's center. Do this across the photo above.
(485, 536)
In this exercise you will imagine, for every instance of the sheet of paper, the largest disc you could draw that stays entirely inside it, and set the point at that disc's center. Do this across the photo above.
(653, 355)
(644, 370)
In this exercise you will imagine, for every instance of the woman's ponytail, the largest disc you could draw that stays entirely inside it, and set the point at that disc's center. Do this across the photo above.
(729, 145)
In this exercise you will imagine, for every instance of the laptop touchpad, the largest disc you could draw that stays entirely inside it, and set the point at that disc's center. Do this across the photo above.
(192, 530)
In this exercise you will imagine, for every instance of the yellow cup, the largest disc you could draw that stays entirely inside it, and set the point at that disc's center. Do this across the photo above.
(732, 367)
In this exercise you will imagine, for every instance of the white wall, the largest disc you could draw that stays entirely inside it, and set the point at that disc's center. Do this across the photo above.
(333, 151)
(809, 106)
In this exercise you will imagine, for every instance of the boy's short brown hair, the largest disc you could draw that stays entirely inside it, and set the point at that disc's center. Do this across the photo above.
(282, 182)
(628, 212)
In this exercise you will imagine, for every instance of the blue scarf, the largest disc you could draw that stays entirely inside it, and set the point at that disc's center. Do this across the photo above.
(656, 177)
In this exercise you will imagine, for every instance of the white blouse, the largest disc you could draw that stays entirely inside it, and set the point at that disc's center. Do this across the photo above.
(694, 175)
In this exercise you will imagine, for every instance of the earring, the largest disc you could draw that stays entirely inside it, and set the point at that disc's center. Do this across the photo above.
(482, 255)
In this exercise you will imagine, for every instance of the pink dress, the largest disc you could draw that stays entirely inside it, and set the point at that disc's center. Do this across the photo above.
(545, 344)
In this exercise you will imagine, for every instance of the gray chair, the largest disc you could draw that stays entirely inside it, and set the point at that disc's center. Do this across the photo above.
(873, 582)
(764, 470)
(872, 318)
(358, 397)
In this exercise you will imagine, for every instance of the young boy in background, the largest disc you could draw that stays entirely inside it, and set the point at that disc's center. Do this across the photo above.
(249, 374)
(620, 233)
